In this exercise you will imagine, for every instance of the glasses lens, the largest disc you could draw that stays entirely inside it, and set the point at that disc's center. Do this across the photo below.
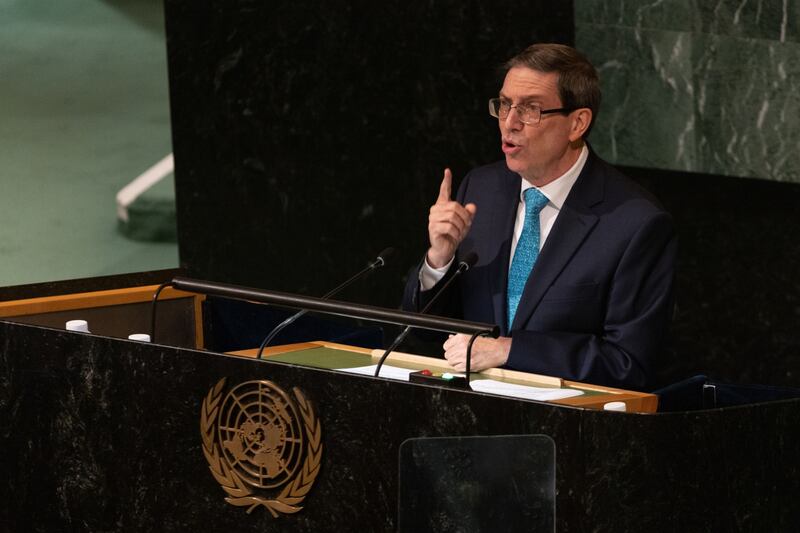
(529, 114)
(494, 107)
(499, 108)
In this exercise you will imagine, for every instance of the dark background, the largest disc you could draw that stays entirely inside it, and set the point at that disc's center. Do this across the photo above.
(308, 137)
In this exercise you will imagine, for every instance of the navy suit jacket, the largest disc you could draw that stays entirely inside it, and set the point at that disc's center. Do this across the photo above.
(597, 305)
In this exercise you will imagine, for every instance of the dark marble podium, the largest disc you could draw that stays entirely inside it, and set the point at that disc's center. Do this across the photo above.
(104, 434)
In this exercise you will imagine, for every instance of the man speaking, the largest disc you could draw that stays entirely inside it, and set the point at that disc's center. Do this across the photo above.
(575, 261)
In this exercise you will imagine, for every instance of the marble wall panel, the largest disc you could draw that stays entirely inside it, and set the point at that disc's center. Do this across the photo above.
(710, 87)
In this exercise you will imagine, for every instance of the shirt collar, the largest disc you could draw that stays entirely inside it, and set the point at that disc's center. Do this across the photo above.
(557, 190)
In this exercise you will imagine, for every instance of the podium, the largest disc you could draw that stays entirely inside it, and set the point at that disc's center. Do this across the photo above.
(102, 433)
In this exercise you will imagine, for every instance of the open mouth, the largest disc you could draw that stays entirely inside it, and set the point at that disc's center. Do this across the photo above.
(509, 147)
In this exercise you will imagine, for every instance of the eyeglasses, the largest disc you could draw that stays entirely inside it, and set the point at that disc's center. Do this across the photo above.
(528, 113)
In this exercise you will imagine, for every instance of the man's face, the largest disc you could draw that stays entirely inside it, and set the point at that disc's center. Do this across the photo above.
(538, 152)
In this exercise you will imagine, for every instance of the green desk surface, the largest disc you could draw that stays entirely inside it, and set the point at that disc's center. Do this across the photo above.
(324, 357)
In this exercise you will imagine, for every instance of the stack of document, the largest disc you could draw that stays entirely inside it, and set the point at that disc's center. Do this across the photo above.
(542, 394)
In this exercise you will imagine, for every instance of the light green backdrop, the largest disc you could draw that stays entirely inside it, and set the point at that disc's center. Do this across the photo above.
(710, 87)
(83, 110)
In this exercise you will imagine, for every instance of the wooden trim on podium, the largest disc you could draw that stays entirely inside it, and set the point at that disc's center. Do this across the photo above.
(636, 402)
(85, 300)
(642, 402)
(199, 339)
(108, 298)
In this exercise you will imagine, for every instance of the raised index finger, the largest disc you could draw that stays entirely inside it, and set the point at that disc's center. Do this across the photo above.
(445, 187)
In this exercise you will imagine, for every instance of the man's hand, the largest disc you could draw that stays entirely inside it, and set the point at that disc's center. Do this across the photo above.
(448, 224)
(486, 353)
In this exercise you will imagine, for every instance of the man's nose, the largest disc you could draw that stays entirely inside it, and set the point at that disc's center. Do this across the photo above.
(513, 121)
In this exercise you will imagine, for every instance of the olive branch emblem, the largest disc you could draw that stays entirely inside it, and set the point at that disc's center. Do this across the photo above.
(239, 493)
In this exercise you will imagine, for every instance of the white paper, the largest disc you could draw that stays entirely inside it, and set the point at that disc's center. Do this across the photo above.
(541, 394)
(391, 372)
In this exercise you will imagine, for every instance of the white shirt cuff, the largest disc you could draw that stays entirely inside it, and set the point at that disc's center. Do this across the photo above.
(429, 276)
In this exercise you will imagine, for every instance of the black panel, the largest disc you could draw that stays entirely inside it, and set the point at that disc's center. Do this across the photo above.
(308, 136)
(231, 325)
(738, 297)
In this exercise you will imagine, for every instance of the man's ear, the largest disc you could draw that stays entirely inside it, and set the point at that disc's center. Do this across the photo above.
(581, 120)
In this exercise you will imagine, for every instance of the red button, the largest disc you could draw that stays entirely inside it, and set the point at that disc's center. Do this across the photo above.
(426, 372)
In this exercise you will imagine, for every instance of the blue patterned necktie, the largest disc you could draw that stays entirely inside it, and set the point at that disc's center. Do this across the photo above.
(527, 250)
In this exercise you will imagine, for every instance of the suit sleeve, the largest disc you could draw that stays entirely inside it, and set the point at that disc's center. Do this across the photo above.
(415, 299)
(635, 329)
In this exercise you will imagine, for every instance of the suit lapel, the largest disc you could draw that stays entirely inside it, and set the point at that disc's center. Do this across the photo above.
(505, 213)
(574, 223)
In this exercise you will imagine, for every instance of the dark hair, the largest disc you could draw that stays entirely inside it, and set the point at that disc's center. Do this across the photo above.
(578, 83)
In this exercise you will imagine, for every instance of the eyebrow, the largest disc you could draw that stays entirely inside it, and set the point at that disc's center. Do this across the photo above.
(525, 100)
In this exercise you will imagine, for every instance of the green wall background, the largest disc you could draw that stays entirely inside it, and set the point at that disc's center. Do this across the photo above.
(710, 87)
(83, 111)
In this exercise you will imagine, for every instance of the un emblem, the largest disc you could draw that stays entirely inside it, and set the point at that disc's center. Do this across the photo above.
(262, 446)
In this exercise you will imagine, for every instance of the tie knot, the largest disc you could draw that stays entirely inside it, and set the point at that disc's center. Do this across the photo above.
(534, 200)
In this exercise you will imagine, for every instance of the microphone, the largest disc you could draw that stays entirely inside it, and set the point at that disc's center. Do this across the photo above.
(465, 264)
(153, 309)
(379, 261)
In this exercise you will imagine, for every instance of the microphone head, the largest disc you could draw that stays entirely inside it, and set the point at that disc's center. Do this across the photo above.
(468, 262)
(385, 255)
